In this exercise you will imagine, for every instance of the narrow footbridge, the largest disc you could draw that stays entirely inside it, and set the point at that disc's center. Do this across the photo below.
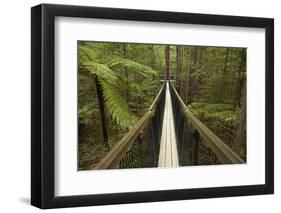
(168, 135)
(168, 154)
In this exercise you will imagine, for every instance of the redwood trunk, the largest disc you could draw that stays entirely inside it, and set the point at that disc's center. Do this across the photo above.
(179, 68)
(167, 60)
(240, 80)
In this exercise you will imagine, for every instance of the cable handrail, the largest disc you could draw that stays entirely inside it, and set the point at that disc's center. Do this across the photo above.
(223, 152)
(115, 155)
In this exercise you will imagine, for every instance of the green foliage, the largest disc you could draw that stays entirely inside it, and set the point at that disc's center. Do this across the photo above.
(221, 113)
(196, 105)
(100, 70)
(117, 105)
(85, 114)
(131, 65)
(210, 75)
(218, 107)
(117, 77)
(229, 118)
(87, 53)
(129, 82)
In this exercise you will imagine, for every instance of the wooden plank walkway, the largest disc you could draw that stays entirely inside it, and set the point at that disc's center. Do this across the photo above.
(168, 154)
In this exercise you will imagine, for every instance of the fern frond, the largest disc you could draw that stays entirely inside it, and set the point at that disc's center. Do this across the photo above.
(87, 52)
(117, 105)
(132, 65)
(100, 70)
(115, 83)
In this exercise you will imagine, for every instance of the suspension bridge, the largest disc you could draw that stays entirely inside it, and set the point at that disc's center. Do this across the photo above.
(168, 135)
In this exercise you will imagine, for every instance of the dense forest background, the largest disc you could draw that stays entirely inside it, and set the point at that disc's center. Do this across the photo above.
(118, 82)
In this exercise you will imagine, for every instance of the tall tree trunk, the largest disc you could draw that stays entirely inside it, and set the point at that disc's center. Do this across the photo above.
(187, 78)
(104, 124)
(222, 89)
(124, 48)
(238, 142)
(192, 79)
(179, 67)
(167, 61)
(240, 80)
(225, 65)
(152, 59)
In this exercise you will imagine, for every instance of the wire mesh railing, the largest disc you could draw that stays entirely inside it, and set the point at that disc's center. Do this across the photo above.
(197, 144)
(139, 148)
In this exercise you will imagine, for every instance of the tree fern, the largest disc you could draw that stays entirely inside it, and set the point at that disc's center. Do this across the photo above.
(87, 52)
(100, 70)
(115, 83)
(117, 105)
(131, 65)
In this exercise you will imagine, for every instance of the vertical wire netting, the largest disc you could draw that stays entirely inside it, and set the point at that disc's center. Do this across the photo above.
(145, 149)
(192, 149)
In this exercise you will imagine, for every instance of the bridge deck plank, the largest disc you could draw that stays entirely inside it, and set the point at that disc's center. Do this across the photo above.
(168, 155)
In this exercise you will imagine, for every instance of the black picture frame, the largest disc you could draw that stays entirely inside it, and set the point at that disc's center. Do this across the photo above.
(43, 117)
